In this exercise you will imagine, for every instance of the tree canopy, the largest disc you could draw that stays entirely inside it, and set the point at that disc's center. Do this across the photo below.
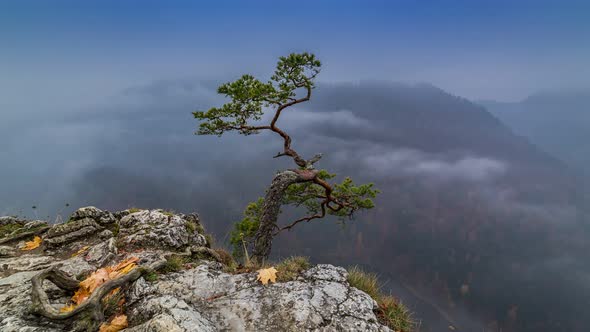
(306, 187)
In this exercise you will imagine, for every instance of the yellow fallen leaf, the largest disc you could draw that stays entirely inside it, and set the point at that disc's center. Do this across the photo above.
(264, 275)
(79, 252)
(117, 324)
(30, 245)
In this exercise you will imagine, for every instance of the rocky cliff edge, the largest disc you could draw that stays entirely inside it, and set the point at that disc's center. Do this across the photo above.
(201, 294)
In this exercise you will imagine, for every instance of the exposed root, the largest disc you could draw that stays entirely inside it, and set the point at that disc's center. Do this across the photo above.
(93, 306)
(92, 309)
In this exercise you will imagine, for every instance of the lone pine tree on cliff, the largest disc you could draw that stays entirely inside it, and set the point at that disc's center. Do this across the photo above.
(304, 186)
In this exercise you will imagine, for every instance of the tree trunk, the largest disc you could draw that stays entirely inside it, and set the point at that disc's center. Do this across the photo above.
(270, 212)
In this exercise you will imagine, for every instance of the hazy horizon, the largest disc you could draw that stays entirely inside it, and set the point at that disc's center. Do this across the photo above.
(500, 50)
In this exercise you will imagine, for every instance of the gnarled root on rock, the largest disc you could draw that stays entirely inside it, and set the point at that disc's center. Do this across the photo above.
(92, 308)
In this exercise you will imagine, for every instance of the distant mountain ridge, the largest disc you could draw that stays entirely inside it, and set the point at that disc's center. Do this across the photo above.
(558, 122)
(428, 118)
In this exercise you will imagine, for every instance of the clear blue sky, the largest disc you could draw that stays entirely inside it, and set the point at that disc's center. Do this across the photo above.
(479, 49)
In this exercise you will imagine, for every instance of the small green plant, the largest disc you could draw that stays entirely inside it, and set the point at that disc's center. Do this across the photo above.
(391, 312)
(134, 210)
(8, 229)
(290, 268)
(16, 228)
(168, 213)
(115, 229)
(174, 263)
(151, 276)
(191, 227)
(244, 231)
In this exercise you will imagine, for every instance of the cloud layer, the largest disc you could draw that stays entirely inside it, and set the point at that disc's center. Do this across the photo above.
(456, 180)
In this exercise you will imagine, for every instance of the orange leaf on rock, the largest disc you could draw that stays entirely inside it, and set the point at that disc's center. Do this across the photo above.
(30, 245)
(117, 324)
(264, 275)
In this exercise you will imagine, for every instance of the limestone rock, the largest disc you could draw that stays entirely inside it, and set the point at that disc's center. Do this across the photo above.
(102, 253)
(86, 212)
(28, 263)
(215, 301)
(34, 224)
(160, 323)
(198, 298)
(157, 229)
(101, 217)
(15, 291)
(120, 214)
(106, 234)
(62, 234)
(11, 220)
(7, 251)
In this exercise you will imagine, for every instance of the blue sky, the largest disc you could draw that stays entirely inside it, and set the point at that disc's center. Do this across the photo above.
(500, 50)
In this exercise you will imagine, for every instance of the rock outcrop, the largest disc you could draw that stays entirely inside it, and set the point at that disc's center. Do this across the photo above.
(198, 294)
(159, 230)
(209, 300)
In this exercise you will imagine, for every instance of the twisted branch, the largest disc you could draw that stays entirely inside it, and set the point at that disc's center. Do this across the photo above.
(306, 219)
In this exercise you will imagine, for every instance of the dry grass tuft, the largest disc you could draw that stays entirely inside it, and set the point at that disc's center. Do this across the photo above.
(395, 315)
(290, 268)
(391, 312)
(367, 282)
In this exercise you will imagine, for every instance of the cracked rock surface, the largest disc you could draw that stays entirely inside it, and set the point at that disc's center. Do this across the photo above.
(157, 229)
(200, 297)
(206, 299)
